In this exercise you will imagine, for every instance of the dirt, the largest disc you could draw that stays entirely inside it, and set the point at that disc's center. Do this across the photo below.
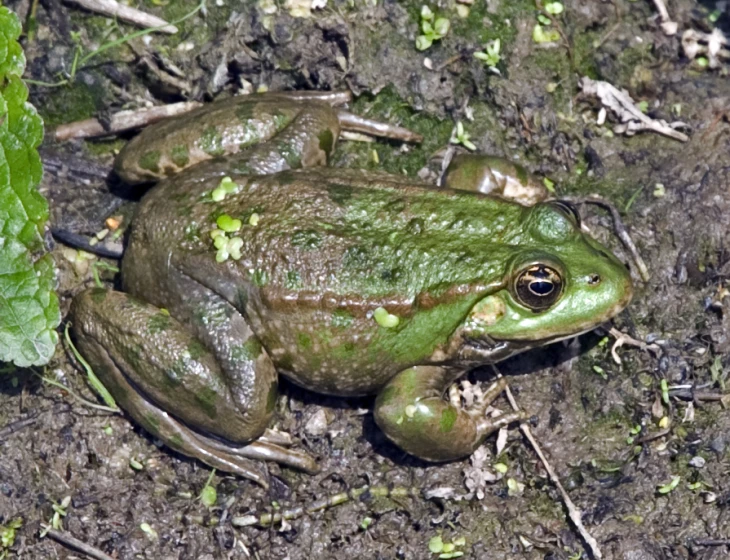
(598, 421)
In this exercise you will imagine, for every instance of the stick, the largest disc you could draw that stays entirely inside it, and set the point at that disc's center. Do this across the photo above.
(619, 228)
(123, 120)
(76, 544)
(14, 427)
(573, 512)
(112, 9)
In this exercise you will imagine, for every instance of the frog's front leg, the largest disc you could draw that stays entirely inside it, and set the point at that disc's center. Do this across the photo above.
(170, 383)
(412, 412)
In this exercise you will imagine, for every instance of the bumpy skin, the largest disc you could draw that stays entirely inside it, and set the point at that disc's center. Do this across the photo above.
(349, 283)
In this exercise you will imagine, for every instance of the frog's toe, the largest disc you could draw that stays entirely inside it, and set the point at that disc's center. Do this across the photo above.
(265, 451)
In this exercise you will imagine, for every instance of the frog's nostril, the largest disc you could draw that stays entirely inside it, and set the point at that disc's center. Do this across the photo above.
(594, 279)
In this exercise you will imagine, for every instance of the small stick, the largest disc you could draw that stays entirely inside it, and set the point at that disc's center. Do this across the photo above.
(651, 437)
(14, 427)
(623, 338)
(123, 120)
(76, 544)
(619, 228)
(113, 9)
(573, 511)
(711, 542)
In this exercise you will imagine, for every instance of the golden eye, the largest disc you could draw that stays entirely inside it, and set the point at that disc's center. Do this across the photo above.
(538, 287)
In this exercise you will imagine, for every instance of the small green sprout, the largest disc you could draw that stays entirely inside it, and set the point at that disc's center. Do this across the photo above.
(659, 190)
(667, 488)
(490, 56)
(228, 224)
(501, 468)
(433, 29)
(643, 106)
(514, 487)
(59, 511)
(253, 220)
(461, 136)
(148, 530)
(7, 533)
(542, 35)
(549, 185)
(554, 8)
(108, 430)
(600, 371)
(714, 16)
(702, 61)
(436, 544)
(136, 465)
(665, 391)
(208, 495)
(543, 19)
(365, 523)
(385, 319)
(225, 187)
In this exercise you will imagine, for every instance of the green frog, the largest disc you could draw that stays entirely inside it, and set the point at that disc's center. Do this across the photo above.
(251, 258)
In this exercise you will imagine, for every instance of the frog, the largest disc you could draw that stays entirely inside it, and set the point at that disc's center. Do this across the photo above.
(252, 258)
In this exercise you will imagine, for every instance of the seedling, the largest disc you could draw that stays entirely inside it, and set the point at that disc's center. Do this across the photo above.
(433, 29)
(490, 56)
(461, 136)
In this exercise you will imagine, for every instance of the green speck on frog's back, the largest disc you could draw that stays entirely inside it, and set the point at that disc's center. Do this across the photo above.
(211, 142)
(150, 161)
(180, 155)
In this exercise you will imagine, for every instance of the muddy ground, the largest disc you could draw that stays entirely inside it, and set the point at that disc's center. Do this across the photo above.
(599, 422)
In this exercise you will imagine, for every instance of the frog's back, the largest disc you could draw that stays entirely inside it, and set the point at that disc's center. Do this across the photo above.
(321, 250)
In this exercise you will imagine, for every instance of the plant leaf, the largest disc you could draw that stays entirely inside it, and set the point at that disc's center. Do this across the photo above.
(29, 311)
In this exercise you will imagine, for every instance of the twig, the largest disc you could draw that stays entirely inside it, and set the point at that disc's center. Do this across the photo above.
(713, 45)
(619, 228)
(14, 427)
(623, 338)
(573, 512)
(711, 542)
(631, 117)
(76, 544)
(651, 437)
(123, 120)
(668, 26)
(113, 9)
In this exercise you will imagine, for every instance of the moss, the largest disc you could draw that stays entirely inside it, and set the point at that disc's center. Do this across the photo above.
(389, 107)
(76, 102)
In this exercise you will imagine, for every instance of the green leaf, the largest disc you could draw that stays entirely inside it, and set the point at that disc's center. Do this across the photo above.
(29, 311)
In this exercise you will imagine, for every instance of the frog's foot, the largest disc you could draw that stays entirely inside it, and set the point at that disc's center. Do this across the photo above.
(412, 412)
(495, 176)
(355, 123)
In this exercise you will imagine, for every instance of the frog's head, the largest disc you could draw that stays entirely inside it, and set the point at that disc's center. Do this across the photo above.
(560, 283)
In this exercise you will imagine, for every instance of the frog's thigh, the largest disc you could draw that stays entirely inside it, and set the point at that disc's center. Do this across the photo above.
(412, 412)
(170, 366)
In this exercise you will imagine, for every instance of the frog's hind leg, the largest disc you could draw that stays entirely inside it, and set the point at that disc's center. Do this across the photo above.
(413, 413)
(168, 381)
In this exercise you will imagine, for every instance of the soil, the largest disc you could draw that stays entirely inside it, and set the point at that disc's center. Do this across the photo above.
(614, 441)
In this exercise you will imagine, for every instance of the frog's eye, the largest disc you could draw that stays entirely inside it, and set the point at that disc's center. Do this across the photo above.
(538, 287)
(568, 209)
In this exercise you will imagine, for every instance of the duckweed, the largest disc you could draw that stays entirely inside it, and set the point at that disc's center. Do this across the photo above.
(385, 319)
